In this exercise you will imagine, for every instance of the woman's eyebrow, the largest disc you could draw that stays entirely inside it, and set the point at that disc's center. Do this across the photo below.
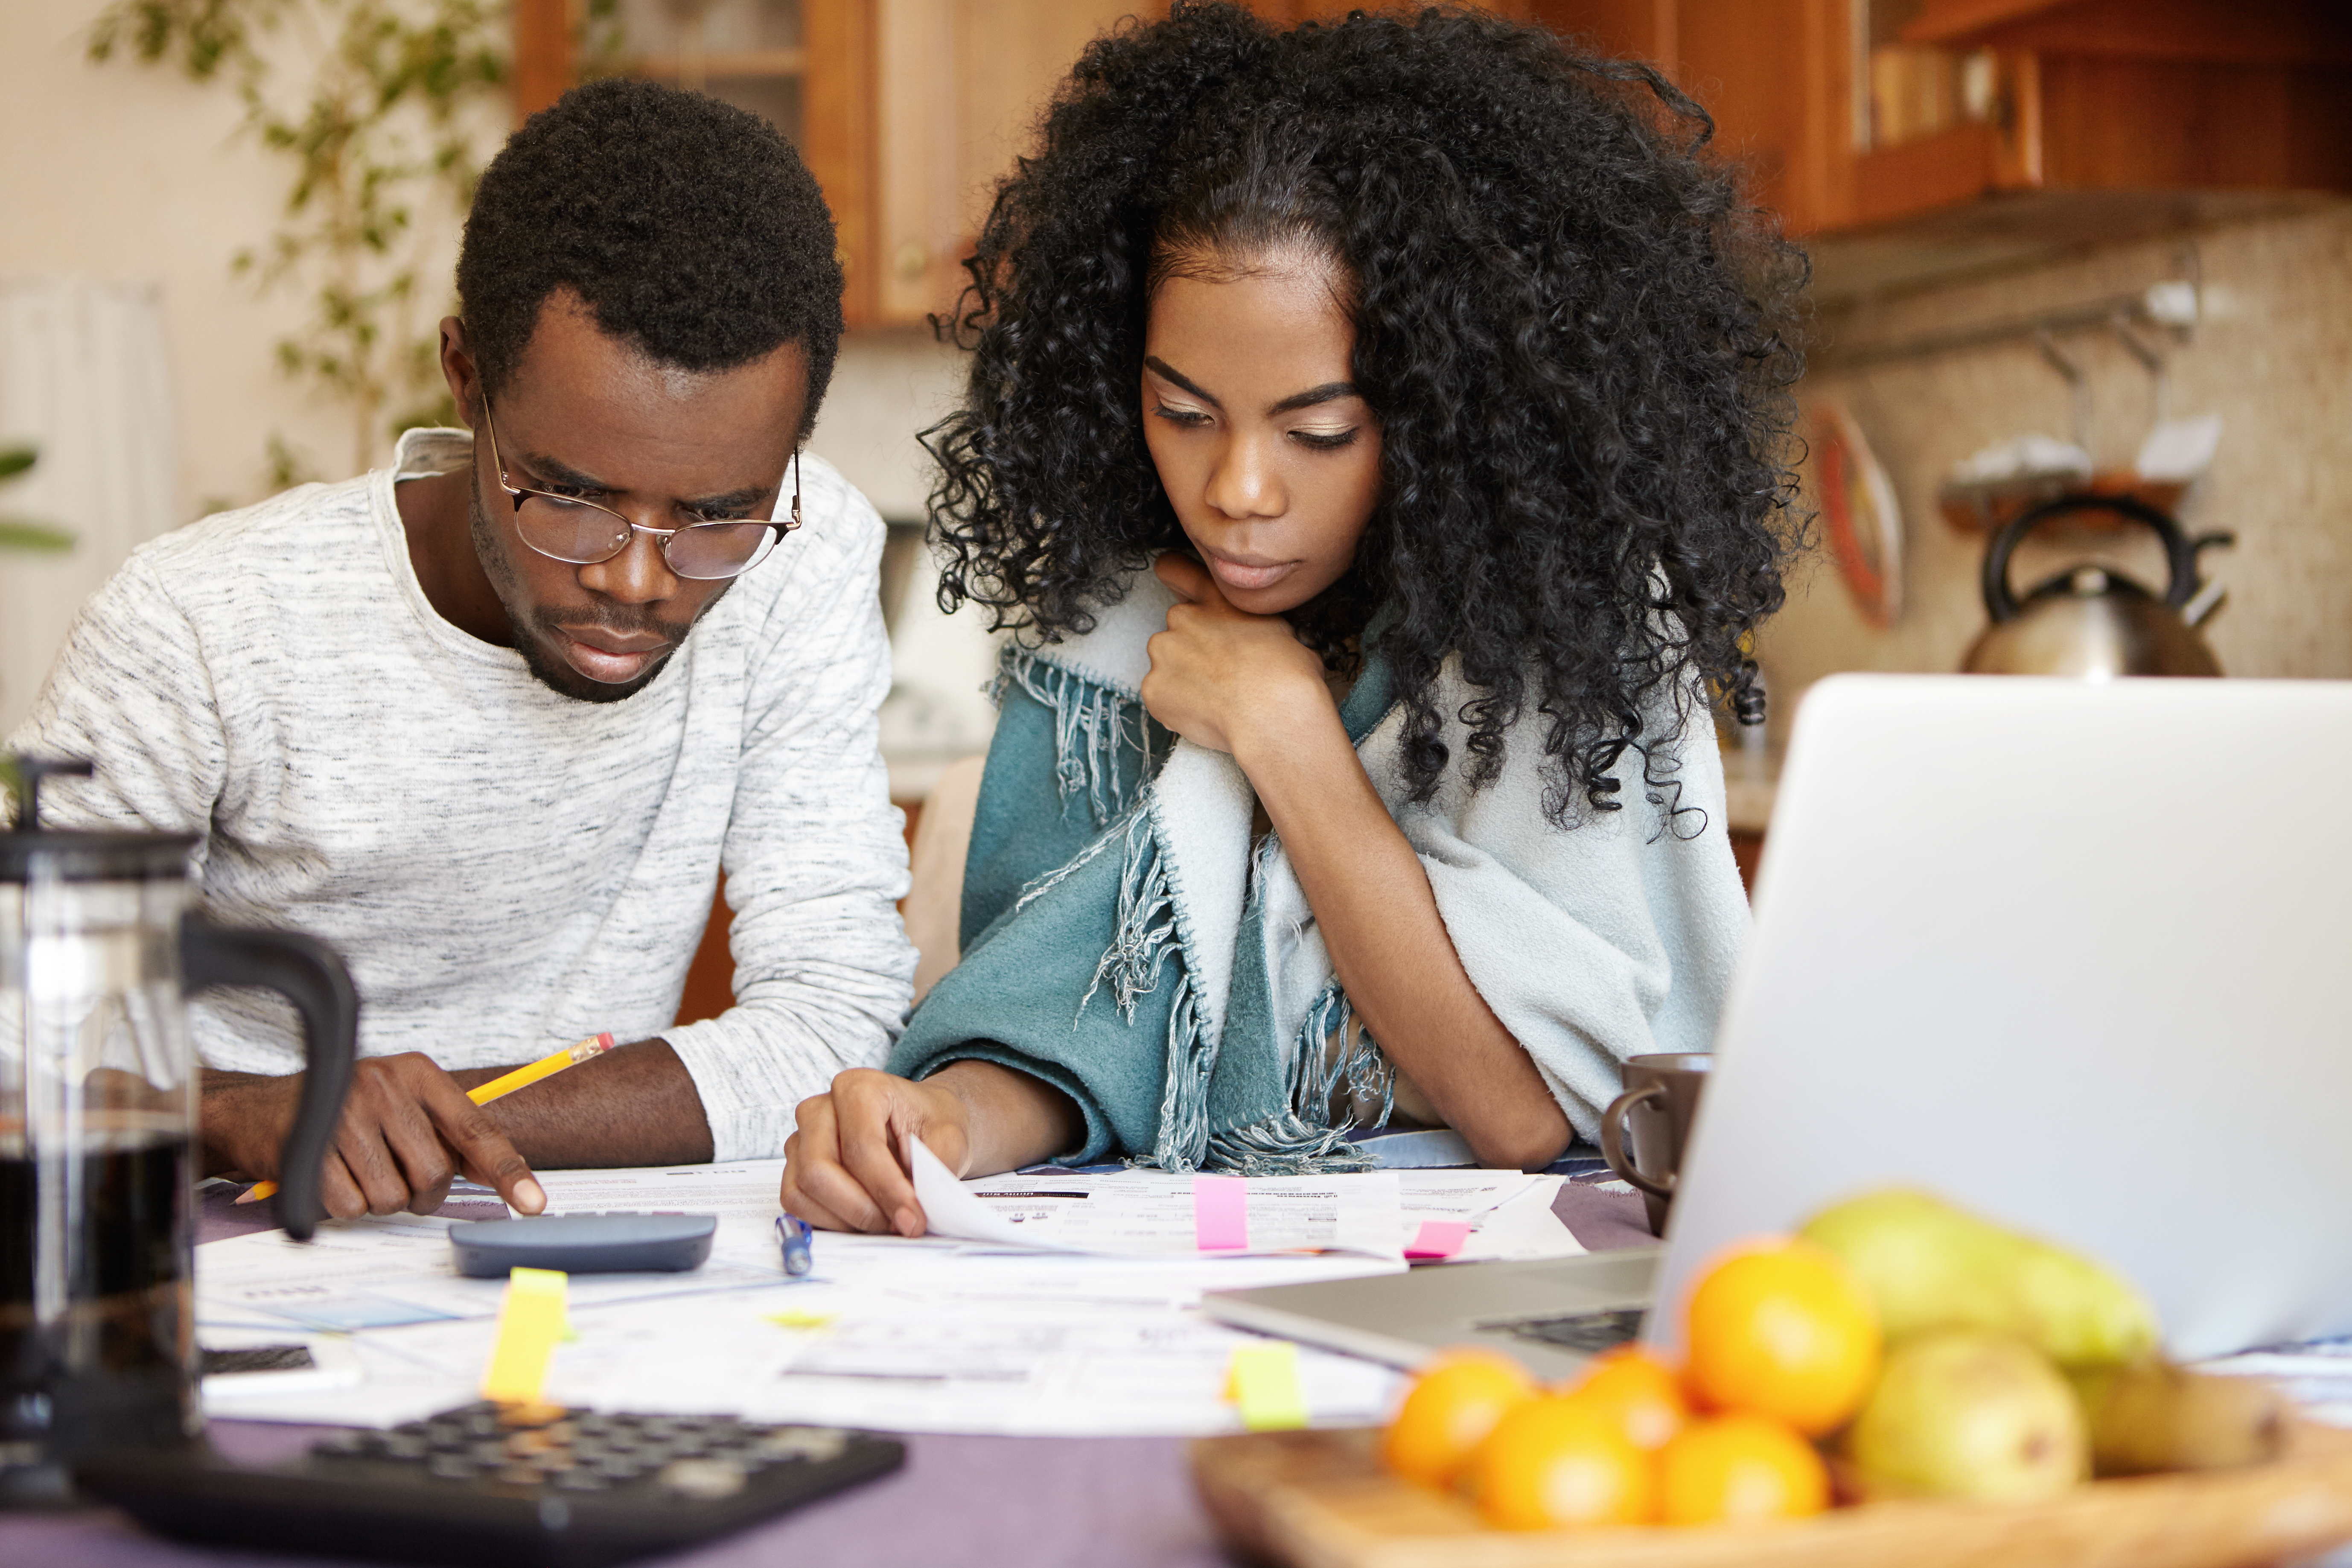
(1161, 368)
(1329, 391)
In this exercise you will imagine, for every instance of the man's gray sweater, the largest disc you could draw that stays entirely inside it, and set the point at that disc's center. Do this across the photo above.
(506, 869)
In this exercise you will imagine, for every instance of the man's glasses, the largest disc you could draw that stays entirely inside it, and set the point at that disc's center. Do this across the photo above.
(580, 532)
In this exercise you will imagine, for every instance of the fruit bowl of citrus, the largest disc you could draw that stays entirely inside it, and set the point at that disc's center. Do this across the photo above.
(1899, 1381)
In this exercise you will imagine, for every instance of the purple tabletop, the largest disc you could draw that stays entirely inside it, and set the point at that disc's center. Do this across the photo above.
(1046, 1502)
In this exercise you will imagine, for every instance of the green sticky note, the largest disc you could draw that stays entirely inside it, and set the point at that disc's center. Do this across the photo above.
(1263, 1379)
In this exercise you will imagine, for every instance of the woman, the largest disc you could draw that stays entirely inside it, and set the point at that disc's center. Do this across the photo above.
(1374, 435)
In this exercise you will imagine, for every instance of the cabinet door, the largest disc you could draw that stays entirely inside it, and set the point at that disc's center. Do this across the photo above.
(959, 89)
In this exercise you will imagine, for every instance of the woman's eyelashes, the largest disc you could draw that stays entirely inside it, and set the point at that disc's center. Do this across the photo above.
(1325, 441)
(1314, 440)
(1189, 418)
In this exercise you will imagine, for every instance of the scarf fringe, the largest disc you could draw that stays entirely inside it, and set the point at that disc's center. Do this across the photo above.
(1299, 1140)
(1359, 1070)
(1091, 722)
(1142, 944)
(1285, 1145)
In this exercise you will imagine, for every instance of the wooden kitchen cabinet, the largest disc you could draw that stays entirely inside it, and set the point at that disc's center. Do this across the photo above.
(1899, 135)
(906, 111)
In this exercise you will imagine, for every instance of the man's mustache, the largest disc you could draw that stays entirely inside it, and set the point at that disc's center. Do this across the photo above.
(671, 632)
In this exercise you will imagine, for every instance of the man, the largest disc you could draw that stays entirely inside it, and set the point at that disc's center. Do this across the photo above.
(492, 722)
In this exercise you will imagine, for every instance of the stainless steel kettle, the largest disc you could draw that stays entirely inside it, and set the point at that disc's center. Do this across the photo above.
(2091, 620)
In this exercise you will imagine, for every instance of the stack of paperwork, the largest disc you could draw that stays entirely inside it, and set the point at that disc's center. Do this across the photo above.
(1044, 1303)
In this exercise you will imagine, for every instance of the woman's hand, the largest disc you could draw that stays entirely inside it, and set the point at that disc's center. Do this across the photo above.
(847, 1166)
(1222, 677)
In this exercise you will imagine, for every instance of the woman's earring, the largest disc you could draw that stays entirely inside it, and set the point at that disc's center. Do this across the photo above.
(796, 491)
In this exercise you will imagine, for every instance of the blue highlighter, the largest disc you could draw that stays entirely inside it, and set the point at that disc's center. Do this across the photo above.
(793, 1234)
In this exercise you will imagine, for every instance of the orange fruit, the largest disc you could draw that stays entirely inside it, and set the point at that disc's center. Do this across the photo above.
(1783, 1328)
(1450, 1410)
(1640, 1389)
(1738, 1467)
(1561, 1461)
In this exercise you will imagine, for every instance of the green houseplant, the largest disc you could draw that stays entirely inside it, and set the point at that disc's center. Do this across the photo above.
(22, 532)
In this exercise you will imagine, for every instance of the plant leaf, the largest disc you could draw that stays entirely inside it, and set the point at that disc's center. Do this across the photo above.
(16, 459)
(22, 533)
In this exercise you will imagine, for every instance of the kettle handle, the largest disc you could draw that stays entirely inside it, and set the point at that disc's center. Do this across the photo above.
(2180, 552)
(306, 973)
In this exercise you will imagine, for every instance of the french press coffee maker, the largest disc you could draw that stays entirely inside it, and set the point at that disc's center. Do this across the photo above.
(97, 1130)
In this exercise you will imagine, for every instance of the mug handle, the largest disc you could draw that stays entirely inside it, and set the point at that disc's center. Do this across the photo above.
(1613, 1139)
(306, 973)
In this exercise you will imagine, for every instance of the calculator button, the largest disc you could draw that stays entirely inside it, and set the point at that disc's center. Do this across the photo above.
(818, 1443)
(452, 1468)
(704, 1480)
(579, 1480)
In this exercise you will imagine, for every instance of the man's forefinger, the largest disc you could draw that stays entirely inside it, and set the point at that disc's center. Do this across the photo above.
(484, 1150)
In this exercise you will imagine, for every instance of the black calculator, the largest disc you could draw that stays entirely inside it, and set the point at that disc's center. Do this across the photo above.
(496, 1485)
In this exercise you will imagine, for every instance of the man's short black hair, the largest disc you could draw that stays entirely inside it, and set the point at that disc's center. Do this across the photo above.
(688, 227)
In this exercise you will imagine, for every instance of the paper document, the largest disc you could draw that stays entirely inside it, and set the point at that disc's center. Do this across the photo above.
(1158, 1214)
(1509, 1214)
(376, 1273)
(1095, 1333)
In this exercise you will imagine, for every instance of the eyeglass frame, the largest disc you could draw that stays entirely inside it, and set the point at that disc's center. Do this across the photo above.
(519, 494)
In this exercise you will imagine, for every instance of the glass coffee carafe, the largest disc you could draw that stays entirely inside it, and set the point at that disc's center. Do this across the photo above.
(98, 1126)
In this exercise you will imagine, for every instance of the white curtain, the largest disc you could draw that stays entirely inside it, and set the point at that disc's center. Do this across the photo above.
(85, 377)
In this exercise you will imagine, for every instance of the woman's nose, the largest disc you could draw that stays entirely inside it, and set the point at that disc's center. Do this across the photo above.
(1246, 480)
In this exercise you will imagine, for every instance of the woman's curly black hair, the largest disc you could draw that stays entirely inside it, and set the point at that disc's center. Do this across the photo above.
(1568, 323)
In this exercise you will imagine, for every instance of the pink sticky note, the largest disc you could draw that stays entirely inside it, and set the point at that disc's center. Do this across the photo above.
(1438, 1238)
(1220, 1214)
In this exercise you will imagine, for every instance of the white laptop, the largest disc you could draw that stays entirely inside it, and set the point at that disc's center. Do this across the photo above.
(2074, 955)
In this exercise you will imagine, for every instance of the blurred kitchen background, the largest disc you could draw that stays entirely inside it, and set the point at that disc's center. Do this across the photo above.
(2056, 243)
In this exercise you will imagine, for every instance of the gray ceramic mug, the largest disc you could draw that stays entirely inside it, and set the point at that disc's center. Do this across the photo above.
(1660, 1102)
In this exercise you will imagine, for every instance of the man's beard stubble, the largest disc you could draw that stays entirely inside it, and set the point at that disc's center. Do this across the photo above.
(529, 629)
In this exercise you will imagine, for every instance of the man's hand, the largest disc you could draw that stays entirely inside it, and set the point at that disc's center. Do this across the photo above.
(407, 1131)
(846, 1167)
(1220, 675)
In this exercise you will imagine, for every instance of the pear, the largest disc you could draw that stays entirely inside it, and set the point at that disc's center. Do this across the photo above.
(1929, 1265)
(2078, 1313)
(2155, 1416)
(1962, 1413)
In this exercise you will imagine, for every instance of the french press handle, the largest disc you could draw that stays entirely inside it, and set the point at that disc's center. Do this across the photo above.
(309, 974)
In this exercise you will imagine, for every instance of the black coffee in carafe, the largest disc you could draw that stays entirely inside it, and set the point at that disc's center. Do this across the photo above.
(98, 1122)
(114, 1365)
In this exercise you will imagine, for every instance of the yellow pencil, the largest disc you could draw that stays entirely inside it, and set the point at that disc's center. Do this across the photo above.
(496, 1088)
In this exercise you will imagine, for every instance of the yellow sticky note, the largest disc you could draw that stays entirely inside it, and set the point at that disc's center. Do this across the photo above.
(1263, 1378)
(530, 1321)
(800, 1320)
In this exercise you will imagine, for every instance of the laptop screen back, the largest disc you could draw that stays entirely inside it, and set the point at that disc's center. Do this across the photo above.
(2073, 954)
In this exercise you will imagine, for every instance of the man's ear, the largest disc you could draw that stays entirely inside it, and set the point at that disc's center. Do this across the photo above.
(457, 368)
